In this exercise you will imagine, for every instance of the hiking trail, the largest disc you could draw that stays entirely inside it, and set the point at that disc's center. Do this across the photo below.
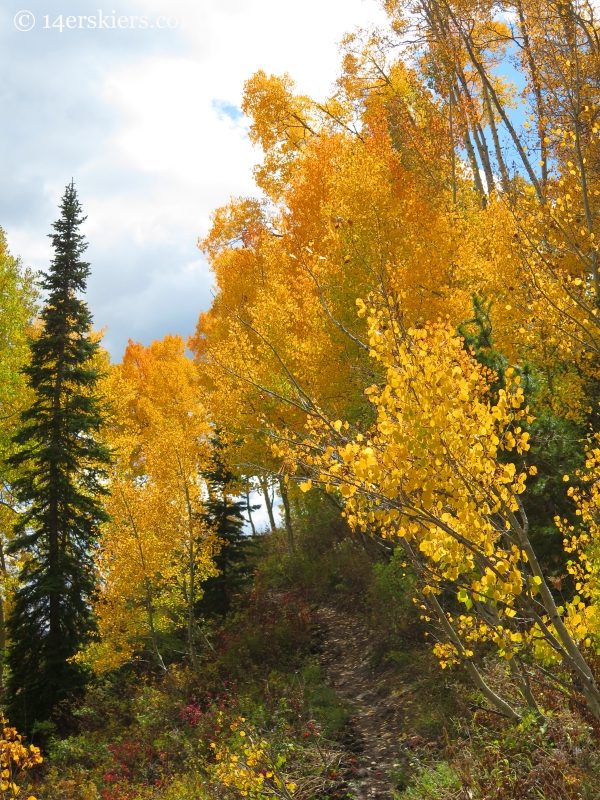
(377, 739)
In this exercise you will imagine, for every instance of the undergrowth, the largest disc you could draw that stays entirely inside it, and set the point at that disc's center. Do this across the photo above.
(259, 720)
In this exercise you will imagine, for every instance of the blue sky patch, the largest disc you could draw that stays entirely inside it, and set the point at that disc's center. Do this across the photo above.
(226, 109)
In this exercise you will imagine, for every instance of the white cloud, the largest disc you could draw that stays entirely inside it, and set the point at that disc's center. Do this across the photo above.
(154, 143)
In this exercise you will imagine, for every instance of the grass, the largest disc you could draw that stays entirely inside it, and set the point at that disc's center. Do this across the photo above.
(437, 782)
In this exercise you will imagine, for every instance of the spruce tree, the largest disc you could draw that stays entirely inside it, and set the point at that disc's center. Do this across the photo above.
(235, 569)
(554, 444)
(62, 464)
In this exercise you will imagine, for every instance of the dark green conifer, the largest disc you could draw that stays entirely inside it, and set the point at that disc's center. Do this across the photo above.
(235, 569)
(63, 469)
(555, 444)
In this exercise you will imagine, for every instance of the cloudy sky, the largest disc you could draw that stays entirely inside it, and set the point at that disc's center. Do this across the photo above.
(145, 117)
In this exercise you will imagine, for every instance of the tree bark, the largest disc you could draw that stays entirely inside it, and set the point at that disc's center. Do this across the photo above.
(250, 511)
(288, 517)
(148, 587)
(265, 490)
(2, 620)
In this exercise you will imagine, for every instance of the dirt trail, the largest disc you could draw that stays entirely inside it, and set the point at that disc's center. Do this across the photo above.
(379, 710)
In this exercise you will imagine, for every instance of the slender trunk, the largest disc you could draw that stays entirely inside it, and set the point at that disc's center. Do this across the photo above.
(563, 638)
(439, 29)
(452, 152)
(485, 157)
(191, 615)
(288, 517)
(455, 93)
(537, 89)
(581, 162)
(2, 619)
(250, 511)
(496, 138)
(520, 675)
(474, 125)
(499, 107)
(192, 569)
(474, 164)
(147, 586)
(265, 490)
(192, 624)
(453, 636)
(474, 673)
(204, 638)
(54, 632)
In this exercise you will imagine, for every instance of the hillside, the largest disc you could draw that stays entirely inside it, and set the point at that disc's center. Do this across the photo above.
(323, 664)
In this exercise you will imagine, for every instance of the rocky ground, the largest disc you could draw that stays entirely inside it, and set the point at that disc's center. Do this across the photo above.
(379, 738)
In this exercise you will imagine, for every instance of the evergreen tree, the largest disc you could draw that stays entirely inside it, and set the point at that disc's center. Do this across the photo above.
(555, 445)
(62, 466)
(478, 337)
(235, 570)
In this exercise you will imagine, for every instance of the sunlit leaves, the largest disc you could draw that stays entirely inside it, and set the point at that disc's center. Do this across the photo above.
(156, 550)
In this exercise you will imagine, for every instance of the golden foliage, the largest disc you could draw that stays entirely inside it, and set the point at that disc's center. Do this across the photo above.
(15, 758)
(157, 550)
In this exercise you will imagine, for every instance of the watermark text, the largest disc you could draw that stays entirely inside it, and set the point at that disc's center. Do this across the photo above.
(25, 21)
